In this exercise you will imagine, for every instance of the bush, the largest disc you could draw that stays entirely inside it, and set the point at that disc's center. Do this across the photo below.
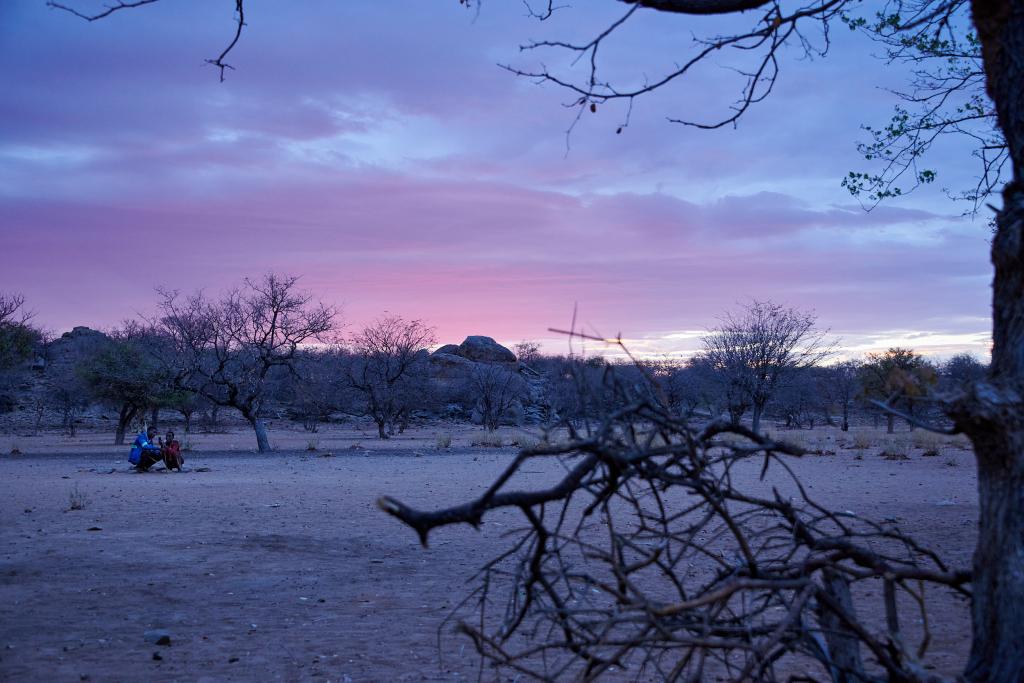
(895, 450)
(862, 440)
(488, 440)
(443, 441)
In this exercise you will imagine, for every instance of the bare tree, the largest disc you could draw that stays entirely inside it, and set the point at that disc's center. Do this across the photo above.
(497, 390)
(387, 367)
(755, 351)
(839, 385)
(527, 352)
(228, 347)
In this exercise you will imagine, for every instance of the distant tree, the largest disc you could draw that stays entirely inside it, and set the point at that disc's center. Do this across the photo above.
(19, 341)
(18, 338)
(899, 378)
(228, 347)
(124, 374)
(961, 371)
(527, 352)
(314, 392)
(839, 386)
(755, 351)
(798, 400)
(497, 390)
(388, 366)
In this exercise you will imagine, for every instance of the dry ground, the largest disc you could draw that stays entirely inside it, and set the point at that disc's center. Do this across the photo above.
(280, 566)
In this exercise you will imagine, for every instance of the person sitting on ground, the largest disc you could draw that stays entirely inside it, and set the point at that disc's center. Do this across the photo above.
(144, 452)
(171, 452)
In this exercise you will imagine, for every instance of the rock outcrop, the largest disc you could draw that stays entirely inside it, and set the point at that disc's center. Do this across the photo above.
(485, 350)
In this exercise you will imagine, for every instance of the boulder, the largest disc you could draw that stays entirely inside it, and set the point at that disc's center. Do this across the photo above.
(448, 349)
(484, 349)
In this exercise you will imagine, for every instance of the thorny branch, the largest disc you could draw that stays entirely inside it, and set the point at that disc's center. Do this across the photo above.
(683, 552)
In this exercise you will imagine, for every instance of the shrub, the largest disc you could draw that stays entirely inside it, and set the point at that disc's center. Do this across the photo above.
(862, 440)
(895, 450)
(443, 441)
(928, 441)
(312, 444)
(488, 440)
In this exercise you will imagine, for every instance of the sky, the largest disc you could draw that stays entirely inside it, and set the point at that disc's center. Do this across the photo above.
(378, 150)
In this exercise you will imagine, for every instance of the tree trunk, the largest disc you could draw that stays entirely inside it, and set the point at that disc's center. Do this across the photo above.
(258, 426)
(381, 431)
(846, 417)
(890, 423)
(997, 649)
(154, 417)
(124, 418)
(756, 418)
(992, 413)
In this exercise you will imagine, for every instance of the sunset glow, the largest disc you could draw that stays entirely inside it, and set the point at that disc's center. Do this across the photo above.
(377, 150)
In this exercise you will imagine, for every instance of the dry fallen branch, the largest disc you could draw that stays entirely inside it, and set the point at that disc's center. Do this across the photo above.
(684, 552)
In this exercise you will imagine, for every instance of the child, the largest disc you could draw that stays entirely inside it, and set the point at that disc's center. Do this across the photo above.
(171, 452)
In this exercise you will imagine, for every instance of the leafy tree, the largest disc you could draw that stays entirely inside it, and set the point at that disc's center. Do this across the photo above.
(897, 378)
(19, 340)
(124, 374)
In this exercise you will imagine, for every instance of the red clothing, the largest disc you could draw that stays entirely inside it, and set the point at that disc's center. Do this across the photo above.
(172, 455)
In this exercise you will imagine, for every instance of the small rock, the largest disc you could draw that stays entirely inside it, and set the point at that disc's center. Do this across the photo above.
(95, 528)
(158, 636)
(232, 660)
(157, 657)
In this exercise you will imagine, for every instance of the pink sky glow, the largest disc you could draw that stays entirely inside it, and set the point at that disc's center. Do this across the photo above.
(379, 153)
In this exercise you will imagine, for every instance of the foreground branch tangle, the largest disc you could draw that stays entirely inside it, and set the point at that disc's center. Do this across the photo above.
(682, 553)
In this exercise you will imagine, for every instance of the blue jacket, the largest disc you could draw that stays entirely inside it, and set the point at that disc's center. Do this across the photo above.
(141, 444)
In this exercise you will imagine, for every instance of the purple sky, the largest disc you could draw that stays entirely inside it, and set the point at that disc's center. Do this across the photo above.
(377, 150)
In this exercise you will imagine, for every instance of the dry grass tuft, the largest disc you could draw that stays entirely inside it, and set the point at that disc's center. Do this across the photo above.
(443, 441)
(77, 500)
(487, 440)
(895, 449)
(928, 441)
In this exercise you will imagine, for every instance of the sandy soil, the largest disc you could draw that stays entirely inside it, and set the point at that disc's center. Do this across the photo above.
(280, 566)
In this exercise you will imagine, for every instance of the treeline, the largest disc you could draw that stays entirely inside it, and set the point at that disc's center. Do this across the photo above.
(269, 350)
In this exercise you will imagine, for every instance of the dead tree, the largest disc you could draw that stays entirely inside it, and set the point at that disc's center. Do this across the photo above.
(387, 366)
(227, 347)
(497, 389)
(681, 553)
(754, 352)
